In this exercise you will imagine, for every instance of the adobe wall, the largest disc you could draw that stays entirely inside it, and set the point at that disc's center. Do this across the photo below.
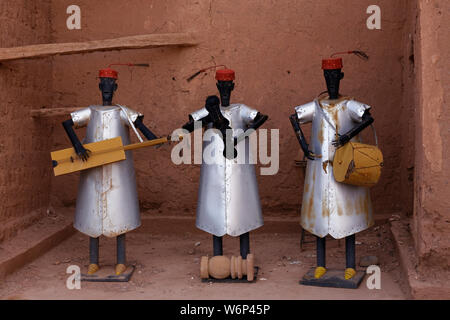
(431, 223)
(24, 144)
(275, 47)
(406, 125)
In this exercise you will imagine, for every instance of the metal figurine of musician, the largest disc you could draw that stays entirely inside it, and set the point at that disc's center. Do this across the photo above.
(329, 207)
(107, 201)
(228, 200)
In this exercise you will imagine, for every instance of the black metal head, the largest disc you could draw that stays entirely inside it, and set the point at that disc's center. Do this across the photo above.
(333, 78)
(107, 86)
(225, 88)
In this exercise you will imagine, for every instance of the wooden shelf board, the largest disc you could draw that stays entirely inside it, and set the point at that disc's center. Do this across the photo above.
(131, 42)
(52, 112)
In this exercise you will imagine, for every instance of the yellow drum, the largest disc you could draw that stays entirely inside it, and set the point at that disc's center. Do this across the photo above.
(358, 164)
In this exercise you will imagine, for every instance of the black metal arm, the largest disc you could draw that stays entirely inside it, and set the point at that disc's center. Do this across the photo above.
(214, 115)
(258, 121)
(367, 120)
(301, 137)
(221, 123)
(145, 131)
(77, 145)
(217, 123)
(189, 126)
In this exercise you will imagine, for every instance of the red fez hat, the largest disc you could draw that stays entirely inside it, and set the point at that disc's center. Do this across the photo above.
(225, 75)
(332, 63)
(108, 73)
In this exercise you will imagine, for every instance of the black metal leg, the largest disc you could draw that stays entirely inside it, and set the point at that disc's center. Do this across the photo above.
(244, 241)
(93, 250)
(320, 248)
(217, 246)
(121, 255)
(302, 239)
(350, 257)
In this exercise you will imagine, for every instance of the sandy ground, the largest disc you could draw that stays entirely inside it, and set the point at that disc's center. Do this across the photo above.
(168, 268)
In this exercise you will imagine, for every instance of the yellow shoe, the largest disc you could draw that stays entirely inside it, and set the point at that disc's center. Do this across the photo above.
(120, 268)
(320, 271)
(349, 273)
(93, 268)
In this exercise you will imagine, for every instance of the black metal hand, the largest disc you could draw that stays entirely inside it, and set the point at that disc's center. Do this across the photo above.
(229, 154)
(81, 151)
(342, 139)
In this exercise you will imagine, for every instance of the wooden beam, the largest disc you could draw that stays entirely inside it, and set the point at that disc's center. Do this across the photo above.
(132, 42)
(52, 112)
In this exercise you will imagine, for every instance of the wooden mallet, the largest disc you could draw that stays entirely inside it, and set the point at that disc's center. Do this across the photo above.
(222, 267)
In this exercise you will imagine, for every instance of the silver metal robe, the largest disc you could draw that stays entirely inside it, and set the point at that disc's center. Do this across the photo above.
(107, 202)
(330, 207)
(228, 199)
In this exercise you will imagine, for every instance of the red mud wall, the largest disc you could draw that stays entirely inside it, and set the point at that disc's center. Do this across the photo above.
(432, 187)
(406, 124)
(24, 144)
(275, 47)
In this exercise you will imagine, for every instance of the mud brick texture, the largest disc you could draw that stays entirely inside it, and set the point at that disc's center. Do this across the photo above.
(24, 142)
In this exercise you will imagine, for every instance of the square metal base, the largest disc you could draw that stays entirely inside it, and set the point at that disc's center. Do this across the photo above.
(230, 280)
(108, 274)
(333, 278)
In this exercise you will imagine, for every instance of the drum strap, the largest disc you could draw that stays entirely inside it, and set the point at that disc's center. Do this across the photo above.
(131, 123)
(319, 106)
